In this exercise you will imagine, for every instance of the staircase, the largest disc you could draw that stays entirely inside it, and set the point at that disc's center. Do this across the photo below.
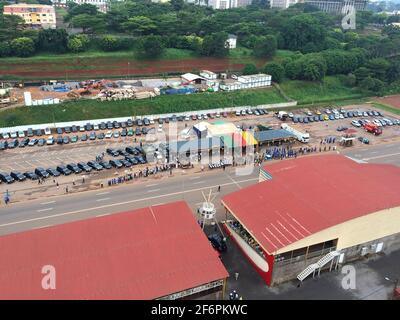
(320, 263)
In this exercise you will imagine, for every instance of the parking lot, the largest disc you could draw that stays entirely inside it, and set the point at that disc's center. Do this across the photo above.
(122, 135)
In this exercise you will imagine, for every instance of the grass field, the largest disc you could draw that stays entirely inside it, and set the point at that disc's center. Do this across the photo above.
(331, 89)
(387, 108)
(93, 109)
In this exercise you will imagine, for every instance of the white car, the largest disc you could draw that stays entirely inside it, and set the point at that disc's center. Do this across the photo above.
(291, 115)
(377, 122)
(205, 117)
(341, 116)
(237, 113)
(82, 128)
(50, 140)
(13, 135)
(337, 116)
(187, 118)
(151, 121)
(243, 113)
(108, 135)
(327, 111)
(218, 115)
(47, 131)
(116, 134)
(355, 123)
(21, 134)
(5, 135)
(96, 127)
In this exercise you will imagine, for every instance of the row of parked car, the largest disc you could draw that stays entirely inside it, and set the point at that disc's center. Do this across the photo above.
(333, 115)
(132, 156)
(256, 112)
(50, 140)
(381, 122)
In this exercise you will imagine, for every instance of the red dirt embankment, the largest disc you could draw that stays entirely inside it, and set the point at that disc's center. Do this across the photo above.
(393, 101)
(102, 67)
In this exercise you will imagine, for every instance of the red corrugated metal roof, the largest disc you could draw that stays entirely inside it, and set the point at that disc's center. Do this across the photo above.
(309, 194)
(141, 254)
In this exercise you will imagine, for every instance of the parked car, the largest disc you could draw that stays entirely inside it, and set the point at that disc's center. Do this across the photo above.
(217, 242)
(53, 172)
(84, 167)
(363, 140)
(105, 164)
(112, 152)
(74, 168)
(116, 163)
(41, 172)
(355, 123)
(39, 132)
(41, 142)
(47, 131)
(5, 177)
(95, 165)
(64, 170)
(18, 176)
(31, 175)
(32, 142)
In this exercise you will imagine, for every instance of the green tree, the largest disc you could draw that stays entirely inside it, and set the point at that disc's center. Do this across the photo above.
(276, 70)
(266, 47)
(76, 10)
(215, 45)
(249, 69)
(89, 23)
(51, 40)
(302, 31)
(5, 49)
(362, 73)
(140, 25)
(393, 72)
(373, 85)
(75, 45)
(379, 68)
(23, 47)
(78, 43)
(151, 47)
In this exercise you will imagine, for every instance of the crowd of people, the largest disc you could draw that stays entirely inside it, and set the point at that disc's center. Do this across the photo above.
(141, 173)
(242, 232)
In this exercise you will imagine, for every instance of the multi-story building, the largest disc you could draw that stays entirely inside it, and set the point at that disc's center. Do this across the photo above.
(282, 4)
(228, 4)
(34, 15)
(336, 6)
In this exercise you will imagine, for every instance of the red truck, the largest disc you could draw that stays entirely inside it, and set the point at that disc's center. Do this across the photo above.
(373, 128)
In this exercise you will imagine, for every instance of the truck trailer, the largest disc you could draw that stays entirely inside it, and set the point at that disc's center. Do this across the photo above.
(302, 137)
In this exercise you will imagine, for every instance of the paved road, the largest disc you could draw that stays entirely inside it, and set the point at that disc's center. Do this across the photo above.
(388, 153)
(49, 211)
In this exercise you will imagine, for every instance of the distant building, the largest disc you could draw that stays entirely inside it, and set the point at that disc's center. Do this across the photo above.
(282, 4)
(34, 15)
(231, 41)
(247, 82)
(209, 75)
(336, 6)
(228, 4)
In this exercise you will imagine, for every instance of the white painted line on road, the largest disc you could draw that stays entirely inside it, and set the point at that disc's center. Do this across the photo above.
(41, 227)
(102, 193)
(48, 202)
(382, 156)
(42, 210)
(158, 204)
(153, 190)
(103, 199)
(194, 178)
(198, 182)
(102, 215)
(120, 203)
(235, 182)
(152, 185)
